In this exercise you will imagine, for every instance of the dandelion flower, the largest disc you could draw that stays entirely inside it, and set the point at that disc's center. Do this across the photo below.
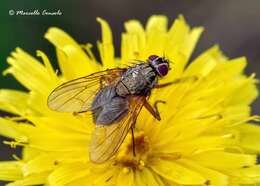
(205, 137)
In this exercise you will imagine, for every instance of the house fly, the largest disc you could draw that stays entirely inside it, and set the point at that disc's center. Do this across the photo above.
(114, 97)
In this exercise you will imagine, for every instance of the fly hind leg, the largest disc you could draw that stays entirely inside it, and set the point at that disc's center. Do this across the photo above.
(133, 141)
(154, 109)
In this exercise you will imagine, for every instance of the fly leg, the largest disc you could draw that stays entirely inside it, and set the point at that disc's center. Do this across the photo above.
(154, 109)
(163, 85)
(101, 82)
(77, 113)
(133, 141)
(178, 80)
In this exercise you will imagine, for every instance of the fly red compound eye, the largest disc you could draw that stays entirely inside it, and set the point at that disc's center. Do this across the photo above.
(163, 70)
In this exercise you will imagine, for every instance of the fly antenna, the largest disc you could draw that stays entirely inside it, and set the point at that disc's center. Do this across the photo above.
(164, 55)
(168, 59)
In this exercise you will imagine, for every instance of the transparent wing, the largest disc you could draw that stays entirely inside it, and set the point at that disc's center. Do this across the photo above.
(107, 139)
(77, 95)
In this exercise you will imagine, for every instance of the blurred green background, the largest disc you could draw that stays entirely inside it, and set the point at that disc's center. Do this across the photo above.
(233, 24)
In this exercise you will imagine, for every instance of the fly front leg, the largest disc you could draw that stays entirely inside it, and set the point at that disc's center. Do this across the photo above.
(154, 109)
(178, 80)
(102, 82)
(163, 85)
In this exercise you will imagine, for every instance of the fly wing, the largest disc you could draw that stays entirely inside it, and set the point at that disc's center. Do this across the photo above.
(107, 139)
(77, 95)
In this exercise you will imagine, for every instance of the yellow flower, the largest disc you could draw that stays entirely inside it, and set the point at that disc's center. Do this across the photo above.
(204, 138)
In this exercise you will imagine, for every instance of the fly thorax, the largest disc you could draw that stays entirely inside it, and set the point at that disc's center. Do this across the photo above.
(137, 80)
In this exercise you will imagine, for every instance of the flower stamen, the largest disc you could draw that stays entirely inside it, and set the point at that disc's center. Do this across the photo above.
(142, 148)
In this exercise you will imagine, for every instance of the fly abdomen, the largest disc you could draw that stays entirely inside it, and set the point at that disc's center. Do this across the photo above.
(112, 112)
(108, 107)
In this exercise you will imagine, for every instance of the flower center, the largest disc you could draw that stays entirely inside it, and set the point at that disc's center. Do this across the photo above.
(127, 158)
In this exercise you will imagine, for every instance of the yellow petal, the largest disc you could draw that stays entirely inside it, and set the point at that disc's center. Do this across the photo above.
(179, 49)
(28, 71)
(29, 153)
(38, 103)
(125, 178)
(247, 91)
(68, 48)
(204, 64)
(57, 142)
(232, 67)
(107, 175)
(41, 163)
(214, 178)
(106, 48)
(190, 42)
(14, 101)
(160, 181)
(156, 35)
(59, 38)
(128, 49)
(67, 72)
(133, 42)
(78, 63)
(145, 177)
(11, 129)
(82, 181)
(237, 113)
(177, 173)
(196, 144)
(68, 173)
(250, 137)
(36, 179)
(48, 66)
(245, 175)
(158, 23)
(224, 160)
(62, 123)
(10, 170)
(178, 31)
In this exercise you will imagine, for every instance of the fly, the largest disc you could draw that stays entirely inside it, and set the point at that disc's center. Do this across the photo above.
(115, 97)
